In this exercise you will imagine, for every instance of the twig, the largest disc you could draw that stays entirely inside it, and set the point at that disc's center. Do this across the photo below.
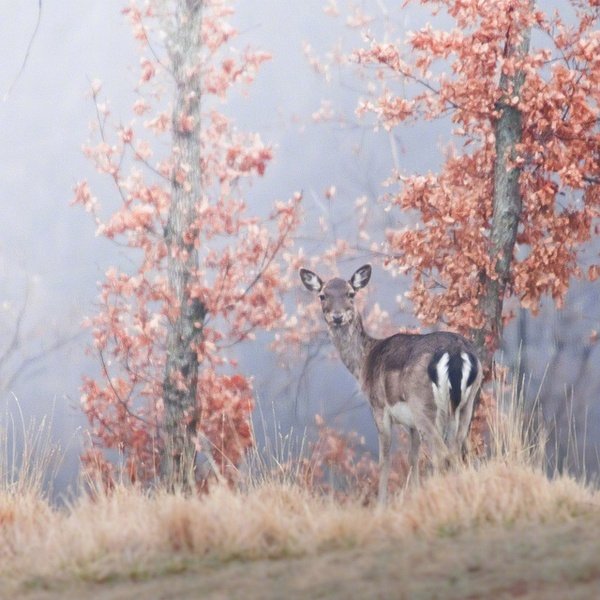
(27, 52)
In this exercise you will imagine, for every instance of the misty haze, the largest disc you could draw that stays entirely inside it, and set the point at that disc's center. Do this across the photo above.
(168, 167)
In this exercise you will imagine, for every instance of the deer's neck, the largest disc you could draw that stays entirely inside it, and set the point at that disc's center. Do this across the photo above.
(353, 344)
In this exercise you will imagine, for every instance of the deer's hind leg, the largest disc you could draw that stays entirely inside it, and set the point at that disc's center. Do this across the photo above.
(415, 444)
(466, 417)
(428, 432)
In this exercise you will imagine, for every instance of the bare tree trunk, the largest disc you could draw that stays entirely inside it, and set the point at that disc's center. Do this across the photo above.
(522, 362)
(506, 203)
(185, 332)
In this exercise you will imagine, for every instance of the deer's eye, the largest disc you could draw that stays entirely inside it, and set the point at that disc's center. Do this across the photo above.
(351, 294)
(322, 296)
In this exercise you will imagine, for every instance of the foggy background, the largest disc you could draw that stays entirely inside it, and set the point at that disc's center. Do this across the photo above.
(51, 261)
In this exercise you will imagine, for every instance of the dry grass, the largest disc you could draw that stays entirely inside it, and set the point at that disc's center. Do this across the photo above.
(133, 533)
(130, 531)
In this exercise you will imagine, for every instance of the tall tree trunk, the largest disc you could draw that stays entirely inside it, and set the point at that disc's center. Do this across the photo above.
(506, 203)
(185, 331)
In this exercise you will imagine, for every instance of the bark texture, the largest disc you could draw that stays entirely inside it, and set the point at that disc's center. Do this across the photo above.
(506, 203)
(181, 233)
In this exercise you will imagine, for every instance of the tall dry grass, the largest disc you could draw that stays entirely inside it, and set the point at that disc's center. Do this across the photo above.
(29, 459)
(132, 532)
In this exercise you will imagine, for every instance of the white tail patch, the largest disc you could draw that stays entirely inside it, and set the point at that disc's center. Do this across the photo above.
(464, 390)
(441, 392)
(466, 371)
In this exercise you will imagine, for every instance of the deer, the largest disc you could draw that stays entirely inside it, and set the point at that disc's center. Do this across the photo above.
(426, 382)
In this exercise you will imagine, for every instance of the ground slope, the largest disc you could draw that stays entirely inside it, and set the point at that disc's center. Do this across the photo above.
(552, 560)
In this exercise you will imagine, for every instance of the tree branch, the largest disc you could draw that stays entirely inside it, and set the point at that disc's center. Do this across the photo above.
(27, 52)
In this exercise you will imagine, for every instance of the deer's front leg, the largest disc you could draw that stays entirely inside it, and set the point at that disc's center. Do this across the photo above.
(383, 422)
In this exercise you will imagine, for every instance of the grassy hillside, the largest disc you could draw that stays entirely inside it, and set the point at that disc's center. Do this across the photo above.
(500, 526)
(548, 561)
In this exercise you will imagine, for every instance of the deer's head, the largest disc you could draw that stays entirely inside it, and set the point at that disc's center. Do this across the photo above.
(337, 295)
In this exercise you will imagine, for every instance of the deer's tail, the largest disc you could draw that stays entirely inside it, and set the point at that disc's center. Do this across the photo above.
(452, 374)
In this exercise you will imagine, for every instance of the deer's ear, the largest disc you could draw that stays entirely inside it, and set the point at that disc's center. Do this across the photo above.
(311, 281)
(361, 277)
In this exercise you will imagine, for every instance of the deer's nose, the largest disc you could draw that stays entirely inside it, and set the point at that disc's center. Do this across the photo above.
(337, 319)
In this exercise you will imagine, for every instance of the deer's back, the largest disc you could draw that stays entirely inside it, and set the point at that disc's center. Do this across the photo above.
(407, 356)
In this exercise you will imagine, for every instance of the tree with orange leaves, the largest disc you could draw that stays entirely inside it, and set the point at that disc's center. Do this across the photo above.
(519, 192)
(507, 215)
(203, 274)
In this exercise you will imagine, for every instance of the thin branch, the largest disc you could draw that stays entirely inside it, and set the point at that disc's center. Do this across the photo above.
(266, 263)
(15, 342)
(27, 52)
(115, 176)
(123, 403)
(36, 358)
(394, 256)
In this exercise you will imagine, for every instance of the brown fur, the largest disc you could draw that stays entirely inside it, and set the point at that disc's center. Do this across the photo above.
(396, 375)
(403, 352)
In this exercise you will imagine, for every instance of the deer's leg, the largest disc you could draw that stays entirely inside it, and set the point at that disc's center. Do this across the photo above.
(415, 443)
(462, 435)
(384, 428)
(439, 450)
